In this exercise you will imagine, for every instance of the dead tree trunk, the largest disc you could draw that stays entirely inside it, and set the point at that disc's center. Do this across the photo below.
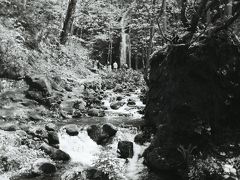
(68, 21)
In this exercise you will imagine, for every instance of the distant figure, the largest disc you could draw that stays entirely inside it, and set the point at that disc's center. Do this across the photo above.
(115, 66)
(125, 66)
(109, 68)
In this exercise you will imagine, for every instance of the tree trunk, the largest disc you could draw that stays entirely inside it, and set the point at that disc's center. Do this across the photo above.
(228, 8)
(164, 16)
(24, 4)
(68, 21)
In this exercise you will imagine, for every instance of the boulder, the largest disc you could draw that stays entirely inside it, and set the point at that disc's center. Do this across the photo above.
(119, 98)
(53, 138)
(109, 129)
(125, 149)
(71, 129)
(116, 105)
(43, 166)
(142, 138)
(101, 134)
(94, 112)
(50, 127)
(39, 83)
(55, 154)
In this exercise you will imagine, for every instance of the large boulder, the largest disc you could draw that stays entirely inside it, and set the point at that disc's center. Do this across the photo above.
(101, 134)
(71, 129)
(125, 149)
(40, 89)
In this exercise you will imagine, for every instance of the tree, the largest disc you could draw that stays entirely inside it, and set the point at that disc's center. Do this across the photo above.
(67, 26)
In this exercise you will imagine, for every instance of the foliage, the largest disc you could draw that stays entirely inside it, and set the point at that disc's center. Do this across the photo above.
(13, 155)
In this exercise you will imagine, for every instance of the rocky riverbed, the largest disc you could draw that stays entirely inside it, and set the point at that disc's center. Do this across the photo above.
(91, 130)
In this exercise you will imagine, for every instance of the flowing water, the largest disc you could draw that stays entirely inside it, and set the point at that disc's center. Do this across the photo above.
(85, 153)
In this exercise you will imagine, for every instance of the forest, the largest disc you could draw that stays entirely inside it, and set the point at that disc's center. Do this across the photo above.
(119, 89)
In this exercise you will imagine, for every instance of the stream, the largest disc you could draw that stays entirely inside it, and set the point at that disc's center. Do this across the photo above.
(86, 153)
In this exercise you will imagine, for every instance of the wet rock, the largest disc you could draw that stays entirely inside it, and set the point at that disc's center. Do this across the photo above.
(131, 102)
(125, 149)
(43, 166)
(50, 127)
(109, 129)
(71, 129)
(53, 138)
(101, 135)
(9, 127)
(35, 117)
(142, 138)
(96, 112)
(119, 98)
(116, 105)
(54, 153)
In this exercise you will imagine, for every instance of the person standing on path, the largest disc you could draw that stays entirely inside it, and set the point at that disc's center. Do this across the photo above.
(115, 66)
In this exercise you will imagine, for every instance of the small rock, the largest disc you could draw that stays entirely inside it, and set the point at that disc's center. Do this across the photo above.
(35, 117)
(116, 105)
(131, 102)
(125, 149)
(119, 98)
(71, 129)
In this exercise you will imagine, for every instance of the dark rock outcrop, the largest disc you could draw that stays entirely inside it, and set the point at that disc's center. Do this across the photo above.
(125, 149)
(194, 95)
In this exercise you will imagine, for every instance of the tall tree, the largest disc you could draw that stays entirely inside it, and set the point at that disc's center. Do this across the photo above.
(68, 22)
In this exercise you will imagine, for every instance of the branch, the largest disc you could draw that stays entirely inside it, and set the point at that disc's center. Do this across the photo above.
(196, 16)
(183, 13)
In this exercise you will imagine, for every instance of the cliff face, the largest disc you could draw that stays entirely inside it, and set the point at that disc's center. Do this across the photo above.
(193, 98)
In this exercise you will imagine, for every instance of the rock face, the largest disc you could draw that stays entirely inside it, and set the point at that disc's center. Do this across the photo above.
(101, 135)
(125, 149)
(188, 100)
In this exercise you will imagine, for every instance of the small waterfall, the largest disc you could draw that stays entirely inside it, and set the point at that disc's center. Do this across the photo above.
(125, 57)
